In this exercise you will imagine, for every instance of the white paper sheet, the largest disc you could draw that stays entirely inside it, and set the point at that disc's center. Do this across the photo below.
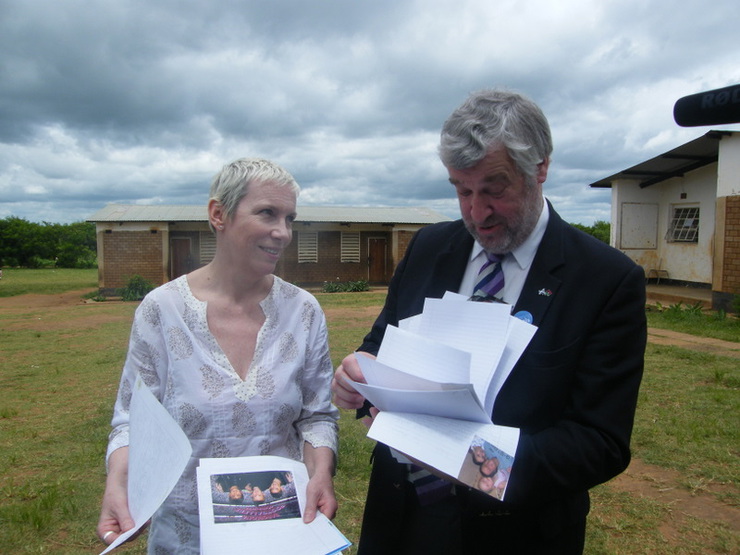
(520, 334)
(478, 328)
(275, 535)
(381, 375)
(158, 452)
(458, 401)
(419, 356)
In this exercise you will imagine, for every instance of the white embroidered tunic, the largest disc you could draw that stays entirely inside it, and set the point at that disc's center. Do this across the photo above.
(284, 400)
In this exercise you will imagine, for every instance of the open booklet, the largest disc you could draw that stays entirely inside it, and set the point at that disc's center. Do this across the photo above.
(256, 504)
(435, 381)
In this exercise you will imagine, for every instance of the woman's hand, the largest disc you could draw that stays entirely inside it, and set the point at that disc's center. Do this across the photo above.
(320, 489)
(114, 514)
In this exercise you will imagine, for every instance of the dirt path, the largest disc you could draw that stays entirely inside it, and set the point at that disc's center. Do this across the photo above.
(693, 342)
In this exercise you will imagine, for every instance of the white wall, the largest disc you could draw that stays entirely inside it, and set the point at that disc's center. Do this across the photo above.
(630, 206)
(728, 181)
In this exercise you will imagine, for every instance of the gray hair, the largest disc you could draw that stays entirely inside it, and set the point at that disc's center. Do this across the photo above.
(494, 118)
(231, 184)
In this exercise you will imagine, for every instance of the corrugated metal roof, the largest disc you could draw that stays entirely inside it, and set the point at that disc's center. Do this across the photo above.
(319, 214)
(679, 161)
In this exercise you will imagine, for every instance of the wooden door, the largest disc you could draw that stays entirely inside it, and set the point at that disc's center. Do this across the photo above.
(180, 258)
(376, 259)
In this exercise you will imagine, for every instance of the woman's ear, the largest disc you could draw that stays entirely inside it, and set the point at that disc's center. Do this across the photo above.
(216, 214)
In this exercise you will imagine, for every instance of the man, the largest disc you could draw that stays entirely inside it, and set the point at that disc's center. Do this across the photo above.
(572, 393)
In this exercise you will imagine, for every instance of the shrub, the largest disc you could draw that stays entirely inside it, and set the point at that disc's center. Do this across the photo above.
(136, 289)
(345, 287)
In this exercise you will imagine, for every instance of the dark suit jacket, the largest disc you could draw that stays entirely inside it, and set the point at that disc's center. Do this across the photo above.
(573, 392)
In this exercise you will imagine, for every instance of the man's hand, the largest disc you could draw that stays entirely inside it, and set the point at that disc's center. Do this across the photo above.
(344, 396)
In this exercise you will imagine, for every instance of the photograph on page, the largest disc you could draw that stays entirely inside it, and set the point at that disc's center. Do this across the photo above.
(486, 468)
(254, 496)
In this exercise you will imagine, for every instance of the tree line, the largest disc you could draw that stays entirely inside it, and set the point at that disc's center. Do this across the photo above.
(47, 245)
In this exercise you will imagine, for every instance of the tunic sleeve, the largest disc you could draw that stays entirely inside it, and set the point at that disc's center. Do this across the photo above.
(317, 423)
(146, 357)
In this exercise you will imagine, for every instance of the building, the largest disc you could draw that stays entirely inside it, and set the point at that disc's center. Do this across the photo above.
(337, 243)
(678, 215)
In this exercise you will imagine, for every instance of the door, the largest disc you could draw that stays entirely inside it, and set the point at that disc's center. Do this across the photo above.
(180, 259)
(376, 259)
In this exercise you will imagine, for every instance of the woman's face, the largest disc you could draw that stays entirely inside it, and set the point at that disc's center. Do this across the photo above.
(261, 226)
(257, 495)
(276, 486)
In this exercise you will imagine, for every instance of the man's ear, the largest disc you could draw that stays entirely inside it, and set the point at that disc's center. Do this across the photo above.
(542, 168)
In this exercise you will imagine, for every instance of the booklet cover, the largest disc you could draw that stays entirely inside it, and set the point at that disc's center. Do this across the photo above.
(257, 504)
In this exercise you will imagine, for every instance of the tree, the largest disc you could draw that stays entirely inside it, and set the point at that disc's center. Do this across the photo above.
(28, 244)
(601, 230)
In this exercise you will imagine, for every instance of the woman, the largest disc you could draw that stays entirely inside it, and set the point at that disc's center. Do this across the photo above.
(238, 356)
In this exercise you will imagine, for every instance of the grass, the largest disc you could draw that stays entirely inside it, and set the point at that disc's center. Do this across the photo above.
(46, 281)
(59, 372)
(692, 319)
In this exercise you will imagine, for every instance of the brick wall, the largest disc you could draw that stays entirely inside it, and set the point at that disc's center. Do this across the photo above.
(731, 255)
(128, 253)
(329, 266)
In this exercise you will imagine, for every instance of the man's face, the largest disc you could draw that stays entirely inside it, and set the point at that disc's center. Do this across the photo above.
(499, 205)
(489, 467)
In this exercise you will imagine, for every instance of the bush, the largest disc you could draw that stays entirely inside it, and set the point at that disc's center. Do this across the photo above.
(136, 289)
(345, 287)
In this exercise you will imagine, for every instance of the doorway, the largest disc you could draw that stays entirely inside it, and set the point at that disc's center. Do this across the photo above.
(376, 259)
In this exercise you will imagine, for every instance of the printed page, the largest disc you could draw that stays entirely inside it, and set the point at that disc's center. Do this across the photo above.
(256, 504)
(520, 334)
(480, 329)
(460, 403)
(478, 455)
(158, 452)
(419, 356)
(381, 375)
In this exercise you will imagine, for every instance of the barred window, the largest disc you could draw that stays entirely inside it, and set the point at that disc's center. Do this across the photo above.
(684, 226)
(350, 247)
(308, 247)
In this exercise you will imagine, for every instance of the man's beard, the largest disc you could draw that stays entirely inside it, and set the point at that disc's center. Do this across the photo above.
(515, 231)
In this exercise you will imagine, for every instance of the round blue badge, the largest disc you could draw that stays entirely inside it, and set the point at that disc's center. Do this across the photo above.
(525, 316)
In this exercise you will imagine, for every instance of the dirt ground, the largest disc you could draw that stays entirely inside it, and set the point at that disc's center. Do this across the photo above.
(639, 479)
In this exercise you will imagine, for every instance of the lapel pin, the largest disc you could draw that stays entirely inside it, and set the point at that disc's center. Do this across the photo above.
(524, 316)
(545, 292)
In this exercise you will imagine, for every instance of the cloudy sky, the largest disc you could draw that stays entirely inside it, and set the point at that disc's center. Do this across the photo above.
(142, 101)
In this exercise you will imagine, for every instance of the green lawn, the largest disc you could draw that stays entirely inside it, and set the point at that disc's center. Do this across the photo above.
(59, 371)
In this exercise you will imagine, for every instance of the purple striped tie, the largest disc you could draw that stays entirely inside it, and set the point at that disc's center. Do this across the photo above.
(490, 277)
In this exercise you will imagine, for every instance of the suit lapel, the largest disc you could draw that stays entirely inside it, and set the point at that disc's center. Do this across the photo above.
(542, 285)
(451, 263)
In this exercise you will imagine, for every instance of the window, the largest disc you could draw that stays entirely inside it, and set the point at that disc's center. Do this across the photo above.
(684, 226)
(308, 247)
(207, 246)
(350, 247)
